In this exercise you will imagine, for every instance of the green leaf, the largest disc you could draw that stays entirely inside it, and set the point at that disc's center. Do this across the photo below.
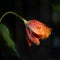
(6, 35)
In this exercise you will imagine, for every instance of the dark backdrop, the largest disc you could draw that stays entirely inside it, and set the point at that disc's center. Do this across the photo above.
(29, 9)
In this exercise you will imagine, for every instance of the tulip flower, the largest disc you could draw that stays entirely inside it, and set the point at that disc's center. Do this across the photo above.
(36, 30)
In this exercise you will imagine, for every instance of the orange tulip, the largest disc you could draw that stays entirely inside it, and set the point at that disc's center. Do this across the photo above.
(36, 30)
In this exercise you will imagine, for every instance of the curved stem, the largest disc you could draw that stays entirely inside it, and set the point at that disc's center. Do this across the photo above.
(10, 12)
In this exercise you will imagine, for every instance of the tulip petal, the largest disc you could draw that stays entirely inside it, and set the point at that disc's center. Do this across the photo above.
(36, 31)
(32, 37)
(34, 25)
(29, 41)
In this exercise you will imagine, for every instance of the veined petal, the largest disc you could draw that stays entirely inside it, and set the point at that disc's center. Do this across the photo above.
(32, 37)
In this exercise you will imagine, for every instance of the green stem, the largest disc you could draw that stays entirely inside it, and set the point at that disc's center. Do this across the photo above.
(10, 12)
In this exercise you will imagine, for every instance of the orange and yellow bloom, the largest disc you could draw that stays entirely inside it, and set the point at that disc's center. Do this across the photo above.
(36, 30)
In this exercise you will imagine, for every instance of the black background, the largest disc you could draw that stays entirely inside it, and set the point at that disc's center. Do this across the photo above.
(29, 9)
